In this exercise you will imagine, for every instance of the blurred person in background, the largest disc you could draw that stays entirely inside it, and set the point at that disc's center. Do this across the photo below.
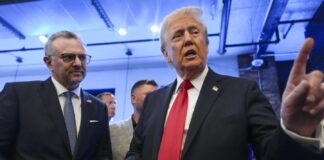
(121, 133)
(110, 101)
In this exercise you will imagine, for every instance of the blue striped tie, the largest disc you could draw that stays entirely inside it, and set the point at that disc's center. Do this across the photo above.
(70, 119)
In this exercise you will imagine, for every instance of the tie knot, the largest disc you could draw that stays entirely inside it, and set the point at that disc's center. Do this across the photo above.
(186, 85)
(68, 94)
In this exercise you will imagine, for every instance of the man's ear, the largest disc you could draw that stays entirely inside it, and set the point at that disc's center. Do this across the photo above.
(133, 98)
(166, 55)
(48, 62)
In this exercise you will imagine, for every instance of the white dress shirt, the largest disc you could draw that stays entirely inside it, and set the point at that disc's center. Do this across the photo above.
(76, 100)
(316, 144)
(193, 94)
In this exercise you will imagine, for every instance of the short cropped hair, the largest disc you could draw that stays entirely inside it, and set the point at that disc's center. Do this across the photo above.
(64, 34)
(143, 82)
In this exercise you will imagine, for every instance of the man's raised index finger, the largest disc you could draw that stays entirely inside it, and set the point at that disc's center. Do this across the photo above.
(299, 67)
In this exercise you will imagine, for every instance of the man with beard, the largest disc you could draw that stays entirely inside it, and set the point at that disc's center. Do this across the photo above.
(55, 118)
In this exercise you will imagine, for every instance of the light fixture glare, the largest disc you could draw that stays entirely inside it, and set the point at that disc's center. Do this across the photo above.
(155, 28)
(122, 31)
(43, 38)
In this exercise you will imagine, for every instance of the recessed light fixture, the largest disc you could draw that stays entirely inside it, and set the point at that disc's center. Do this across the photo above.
(122, 31)
(155, 28)
(43, 38)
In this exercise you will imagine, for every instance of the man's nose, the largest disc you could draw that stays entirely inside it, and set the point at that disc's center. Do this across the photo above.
(77, 61)
(187, 39)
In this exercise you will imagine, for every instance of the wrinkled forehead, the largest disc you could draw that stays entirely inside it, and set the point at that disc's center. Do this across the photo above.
(182, 22)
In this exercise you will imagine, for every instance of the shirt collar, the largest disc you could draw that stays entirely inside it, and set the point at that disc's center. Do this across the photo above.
(60, 89)
(197, 82)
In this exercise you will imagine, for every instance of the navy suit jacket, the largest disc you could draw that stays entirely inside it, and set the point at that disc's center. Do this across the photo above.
(32, 125)
(224, 122)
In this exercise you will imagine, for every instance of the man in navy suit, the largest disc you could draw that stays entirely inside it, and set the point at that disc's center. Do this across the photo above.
(33, 123)
(226, 114)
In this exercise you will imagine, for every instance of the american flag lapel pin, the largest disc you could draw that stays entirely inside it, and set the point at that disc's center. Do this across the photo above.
(215, 88)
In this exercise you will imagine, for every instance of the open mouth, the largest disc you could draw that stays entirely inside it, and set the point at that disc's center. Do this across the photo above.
(190, 53)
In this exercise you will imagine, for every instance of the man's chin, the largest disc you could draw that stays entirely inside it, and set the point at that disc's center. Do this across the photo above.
(193, 65)
(76, 80)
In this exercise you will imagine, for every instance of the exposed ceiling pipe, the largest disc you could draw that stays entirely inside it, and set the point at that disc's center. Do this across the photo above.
(292, 22)
(224, 26)
(277, 40)
(23, 49)
(11, 28)
(95, 44)
(299, 21)
(5, 2)
(103, 15)
(273, 16)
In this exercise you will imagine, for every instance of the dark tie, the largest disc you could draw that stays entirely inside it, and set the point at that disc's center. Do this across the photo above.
(170, 147)
(70, 119)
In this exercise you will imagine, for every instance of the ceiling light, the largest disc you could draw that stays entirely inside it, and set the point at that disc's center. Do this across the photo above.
(43, 38)
(257, 62)
(122, 31)
(155, 28)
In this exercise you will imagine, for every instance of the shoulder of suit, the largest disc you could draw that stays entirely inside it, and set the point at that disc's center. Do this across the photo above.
(236, 80)
(26, 84)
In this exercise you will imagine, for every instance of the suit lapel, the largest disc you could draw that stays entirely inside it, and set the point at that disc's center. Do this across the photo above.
(208, 94)
(49, 97)
(164, 101)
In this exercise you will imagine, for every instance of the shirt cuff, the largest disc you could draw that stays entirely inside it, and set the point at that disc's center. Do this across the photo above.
(314, 144)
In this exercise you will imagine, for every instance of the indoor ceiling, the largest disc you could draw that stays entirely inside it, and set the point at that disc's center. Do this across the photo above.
(250, 22)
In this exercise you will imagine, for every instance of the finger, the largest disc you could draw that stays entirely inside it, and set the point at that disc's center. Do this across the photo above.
(319, 109)
(298, 96)
(315, 79)
(299, 66)
(314, 94)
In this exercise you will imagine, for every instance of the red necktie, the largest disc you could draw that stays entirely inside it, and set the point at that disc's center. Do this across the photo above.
(170, 147)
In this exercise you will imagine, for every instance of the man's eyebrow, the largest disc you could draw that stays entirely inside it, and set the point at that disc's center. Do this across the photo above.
(176, 30)
(193, 26)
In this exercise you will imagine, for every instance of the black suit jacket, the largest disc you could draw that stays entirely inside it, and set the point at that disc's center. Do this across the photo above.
(230, 113)
(32, 125)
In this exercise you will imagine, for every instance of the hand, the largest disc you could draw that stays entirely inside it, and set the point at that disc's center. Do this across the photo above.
(302, 107)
